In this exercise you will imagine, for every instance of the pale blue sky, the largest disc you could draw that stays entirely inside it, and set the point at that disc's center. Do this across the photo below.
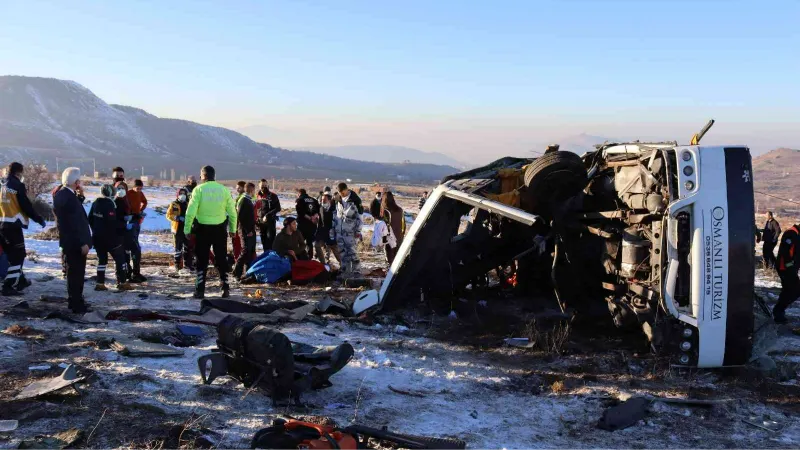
(461, 77)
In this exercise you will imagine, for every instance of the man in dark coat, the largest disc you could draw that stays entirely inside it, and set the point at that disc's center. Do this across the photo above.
(107, 233)
(74, 237)
(267, 208)
(307, 219)
(326, 234)
(770, 235)
(246, 230)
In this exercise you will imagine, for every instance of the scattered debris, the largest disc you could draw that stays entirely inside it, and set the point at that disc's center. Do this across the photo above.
(67, 378)
(624, 415)
(690, 401)
(45, 278)
(357, 283)
(294, 433)
(8, 425)
(474, 414)
(135, 348)
(407, 392)
(18, 330)
(768, 425)
(519, 342)
(260, 356)
(60, 440)
(190, 330)
(328, 303)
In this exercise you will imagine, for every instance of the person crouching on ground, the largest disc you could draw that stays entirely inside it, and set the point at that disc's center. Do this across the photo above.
(138, 203)
(326, 235)
(176, 214)
(74, 237)
(210, 209)
(246, 214)
(107, 234)
(290, 243)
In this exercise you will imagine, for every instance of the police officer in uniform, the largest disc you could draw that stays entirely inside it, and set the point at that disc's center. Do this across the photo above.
(210, 213)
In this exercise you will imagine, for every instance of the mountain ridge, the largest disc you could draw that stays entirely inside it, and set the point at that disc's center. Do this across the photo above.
(46, 118)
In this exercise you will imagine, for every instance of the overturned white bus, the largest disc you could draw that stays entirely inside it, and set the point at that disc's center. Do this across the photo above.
(660, 236)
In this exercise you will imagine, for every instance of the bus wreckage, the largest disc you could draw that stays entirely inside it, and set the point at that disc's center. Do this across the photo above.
(659, 235)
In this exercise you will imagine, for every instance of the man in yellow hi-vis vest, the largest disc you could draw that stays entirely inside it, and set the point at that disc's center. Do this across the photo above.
(211, 209)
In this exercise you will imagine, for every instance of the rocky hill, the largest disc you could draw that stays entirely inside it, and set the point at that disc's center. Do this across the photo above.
(777, 174)
(43, 119)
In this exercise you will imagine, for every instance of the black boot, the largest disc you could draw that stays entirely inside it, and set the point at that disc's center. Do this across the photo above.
(78, 306)
(9, 291)
(226, 290)
(200, 285)
(22, 283)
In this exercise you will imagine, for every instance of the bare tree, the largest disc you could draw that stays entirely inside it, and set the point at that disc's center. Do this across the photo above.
(38, 180)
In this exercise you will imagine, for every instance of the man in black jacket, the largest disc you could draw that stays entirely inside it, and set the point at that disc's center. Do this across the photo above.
(326, 234)
(247, 231)
(770, 235)
(107, 232)
(16, 211)
(73, 236)
(375, 206)
(267, 208)
(307, 217)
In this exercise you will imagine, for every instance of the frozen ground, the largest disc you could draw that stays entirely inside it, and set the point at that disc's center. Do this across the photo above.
(489, 395)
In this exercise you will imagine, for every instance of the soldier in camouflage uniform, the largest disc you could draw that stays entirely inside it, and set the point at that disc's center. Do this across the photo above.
(347, 223)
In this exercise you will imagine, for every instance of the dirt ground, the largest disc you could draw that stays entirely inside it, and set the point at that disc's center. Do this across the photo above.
(463, 384)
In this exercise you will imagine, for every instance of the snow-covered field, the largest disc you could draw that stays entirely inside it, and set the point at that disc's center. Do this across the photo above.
(489, 395)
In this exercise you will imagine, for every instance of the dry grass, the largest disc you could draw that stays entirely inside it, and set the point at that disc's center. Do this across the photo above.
(18, 330)
(550, 339)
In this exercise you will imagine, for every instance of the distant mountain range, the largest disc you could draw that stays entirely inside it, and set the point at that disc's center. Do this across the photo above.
(43, 119)
(387, 154)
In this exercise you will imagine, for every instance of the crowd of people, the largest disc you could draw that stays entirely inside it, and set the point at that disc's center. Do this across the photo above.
(202, 218)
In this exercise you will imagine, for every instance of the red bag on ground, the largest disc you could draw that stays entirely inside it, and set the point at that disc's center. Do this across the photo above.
(308, 271)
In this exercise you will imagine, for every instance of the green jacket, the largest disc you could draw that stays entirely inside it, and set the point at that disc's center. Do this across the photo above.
(210, 204)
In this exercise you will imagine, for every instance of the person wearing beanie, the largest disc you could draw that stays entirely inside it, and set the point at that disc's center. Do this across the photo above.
(74, 237)
(107, 234)
(16, 211)
(176, 214)
(211, 210)
(290, 242)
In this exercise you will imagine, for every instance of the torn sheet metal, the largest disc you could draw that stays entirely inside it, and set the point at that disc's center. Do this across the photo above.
(135, 348)
(46, 386)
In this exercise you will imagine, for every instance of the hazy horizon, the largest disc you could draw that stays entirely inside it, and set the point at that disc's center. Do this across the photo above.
(472, 81)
